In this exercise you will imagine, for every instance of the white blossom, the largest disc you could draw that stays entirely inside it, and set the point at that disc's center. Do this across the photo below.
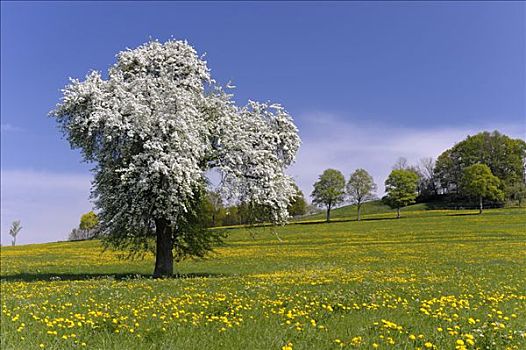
(158, 123)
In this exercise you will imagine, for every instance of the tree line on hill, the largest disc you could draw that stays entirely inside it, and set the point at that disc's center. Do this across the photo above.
(485, 169)
(213, 212)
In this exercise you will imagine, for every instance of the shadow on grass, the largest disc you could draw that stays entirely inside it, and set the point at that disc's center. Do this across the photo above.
(34, 277)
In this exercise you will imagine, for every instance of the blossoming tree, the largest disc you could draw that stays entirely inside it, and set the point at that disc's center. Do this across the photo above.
(154, 127)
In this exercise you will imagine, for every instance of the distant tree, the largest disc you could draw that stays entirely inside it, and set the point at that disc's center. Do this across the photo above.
(15, 230)
(251, 213)
(329, 190)
(87, 229)
(298, 204)
(426, 185)
(76, 234)
(231, 216)
(446, 173)
(312, 209)
(88, 221)
(401, 187)
(360, 188)
(243, 213)
(503, 155)
(426, 167)
(401, 164)
(154, 126)
(216, 207)
(479, 182)
(518, 192)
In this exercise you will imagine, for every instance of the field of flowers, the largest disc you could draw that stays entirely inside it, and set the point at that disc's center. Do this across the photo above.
(431, 280)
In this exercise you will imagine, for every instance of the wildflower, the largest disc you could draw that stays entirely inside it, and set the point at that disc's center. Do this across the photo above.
(288, 346)
(356, 340)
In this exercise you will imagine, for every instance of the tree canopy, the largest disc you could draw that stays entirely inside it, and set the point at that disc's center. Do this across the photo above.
(360, 188)
(87, 229)
(88, 221)
(329, 190)
(478, 181)
(154, 128)
(503, 155)
(401, 188)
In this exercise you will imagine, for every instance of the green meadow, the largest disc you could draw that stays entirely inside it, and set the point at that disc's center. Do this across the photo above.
(434, 279)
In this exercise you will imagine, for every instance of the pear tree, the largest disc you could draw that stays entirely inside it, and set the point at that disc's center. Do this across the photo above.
(154, 126)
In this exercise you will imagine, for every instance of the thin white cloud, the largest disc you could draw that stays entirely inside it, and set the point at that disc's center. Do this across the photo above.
(49, 204)
(6, 127)
(333, 142)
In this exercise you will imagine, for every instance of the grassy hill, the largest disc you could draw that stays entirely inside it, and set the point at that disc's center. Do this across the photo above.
(430, 280)
(369, 209)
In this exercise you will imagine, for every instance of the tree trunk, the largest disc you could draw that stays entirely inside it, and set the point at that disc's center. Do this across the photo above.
(13, 242)
(329, 213)
(398, 213)
(480, 205)
(164, 259)
(359, 209)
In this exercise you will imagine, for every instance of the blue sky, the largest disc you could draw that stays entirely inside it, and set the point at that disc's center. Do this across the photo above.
(366, 82)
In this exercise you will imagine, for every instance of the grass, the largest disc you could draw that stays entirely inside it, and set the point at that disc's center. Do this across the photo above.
(430, 280)
(368, 208)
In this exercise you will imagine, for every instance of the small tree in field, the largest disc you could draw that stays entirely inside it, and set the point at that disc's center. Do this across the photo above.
(401, 187)
(360, 188)
(329, 190)
(14, 231)
(155, 127)
(478, 181)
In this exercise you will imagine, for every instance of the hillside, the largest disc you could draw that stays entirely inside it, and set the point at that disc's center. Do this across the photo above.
(431, 277)
(368, 209)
